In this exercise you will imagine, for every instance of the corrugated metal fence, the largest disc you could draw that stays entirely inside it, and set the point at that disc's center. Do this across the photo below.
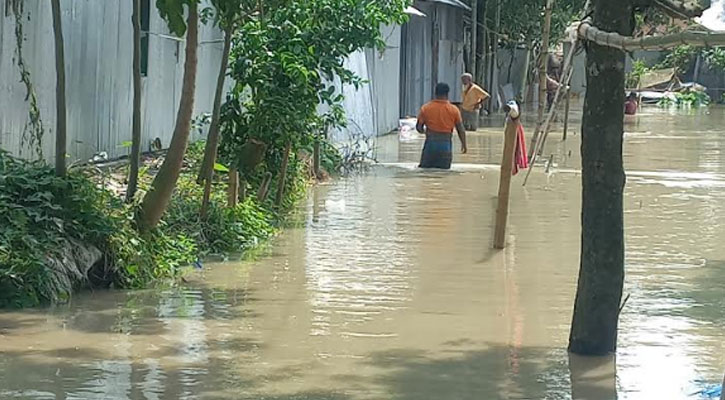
(98, 44)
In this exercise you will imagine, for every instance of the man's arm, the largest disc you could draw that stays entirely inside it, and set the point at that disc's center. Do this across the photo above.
(420, 123)
(462, 135)
(482, 96)
(420, 126)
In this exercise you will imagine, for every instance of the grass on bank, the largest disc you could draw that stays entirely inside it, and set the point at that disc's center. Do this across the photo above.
(45, 220)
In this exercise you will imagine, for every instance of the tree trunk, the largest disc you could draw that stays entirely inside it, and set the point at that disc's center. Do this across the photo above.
(601, 274)
(136, 120)
(157, 199)
(212, 143)
(474, 36)
(543, 62)
(264, 188)
(206, 174)
(233, 189)
(316, 157)
(722, 395)
(60, 107)
(283, 175)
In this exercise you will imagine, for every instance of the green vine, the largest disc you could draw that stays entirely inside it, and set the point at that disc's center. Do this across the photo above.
(33, 130)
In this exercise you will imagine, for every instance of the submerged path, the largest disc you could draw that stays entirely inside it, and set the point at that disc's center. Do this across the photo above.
(388, 289)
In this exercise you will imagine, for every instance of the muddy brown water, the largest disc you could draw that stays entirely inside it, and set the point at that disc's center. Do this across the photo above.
(389, 289)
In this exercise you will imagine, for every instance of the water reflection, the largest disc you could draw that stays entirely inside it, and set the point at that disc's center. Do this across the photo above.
(389, 290)
(593, 378)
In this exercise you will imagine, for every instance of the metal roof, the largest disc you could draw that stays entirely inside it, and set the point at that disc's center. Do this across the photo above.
(414, 11)
(454, 3)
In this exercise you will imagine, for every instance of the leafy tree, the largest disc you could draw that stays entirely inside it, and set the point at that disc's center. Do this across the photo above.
(227, 14)
(286, 61)
(157, 199)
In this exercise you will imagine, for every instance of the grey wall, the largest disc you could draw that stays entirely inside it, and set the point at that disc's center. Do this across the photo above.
(98, 50)
(416, 87)
(384, 71)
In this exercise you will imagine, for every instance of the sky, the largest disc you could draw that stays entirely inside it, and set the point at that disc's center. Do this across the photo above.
(714, 17)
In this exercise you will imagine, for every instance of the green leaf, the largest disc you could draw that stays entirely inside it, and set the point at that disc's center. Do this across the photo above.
(220, 168)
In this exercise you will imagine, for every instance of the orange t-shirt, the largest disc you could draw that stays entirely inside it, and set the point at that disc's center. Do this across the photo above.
(473, 96)
(440, 116)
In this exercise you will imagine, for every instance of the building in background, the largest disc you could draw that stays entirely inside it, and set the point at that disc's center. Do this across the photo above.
(99, 90)
(425, 50)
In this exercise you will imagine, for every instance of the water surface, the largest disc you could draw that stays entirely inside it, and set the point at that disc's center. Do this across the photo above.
(389, 289)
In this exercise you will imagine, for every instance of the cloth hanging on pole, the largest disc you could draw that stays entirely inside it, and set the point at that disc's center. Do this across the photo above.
(521, 157)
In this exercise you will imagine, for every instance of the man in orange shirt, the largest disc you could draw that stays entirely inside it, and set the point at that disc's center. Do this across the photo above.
(473, 98)
(437, 119)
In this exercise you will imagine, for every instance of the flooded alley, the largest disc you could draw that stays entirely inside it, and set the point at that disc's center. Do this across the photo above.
(387, 287)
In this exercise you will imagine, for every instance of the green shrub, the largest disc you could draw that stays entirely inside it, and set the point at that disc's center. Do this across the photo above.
(225, 230)
(40, 212)
(686, 99)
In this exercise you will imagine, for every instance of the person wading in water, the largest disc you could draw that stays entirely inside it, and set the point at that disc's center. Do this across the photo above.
(473, 98)
(436, 120)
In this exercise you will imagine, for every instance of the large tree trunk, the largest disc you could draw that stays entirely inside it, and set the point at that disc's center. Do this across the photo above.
(136, 120)
(157, 199)
(601, 274)
(60, 130)
(210, 151)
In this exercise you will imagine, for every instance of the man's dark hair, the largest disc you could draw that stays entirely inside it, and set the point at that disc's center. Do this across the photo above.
(442, 90)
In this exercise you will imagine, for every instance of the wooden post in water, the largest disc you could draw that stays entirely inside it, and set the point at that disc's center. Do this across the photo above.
(504, 184)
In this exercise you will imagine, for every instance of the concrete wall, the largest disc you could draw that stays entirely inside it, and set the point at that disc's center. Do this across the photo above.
(98, 48)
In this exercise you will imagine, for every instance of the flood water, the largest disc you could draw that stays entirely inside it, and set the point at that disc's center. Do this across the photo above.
(388, 289)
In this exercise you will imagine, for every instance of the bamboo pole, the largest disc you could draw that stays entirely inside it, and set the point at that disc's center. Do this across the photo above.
(495, 106)
(525, 78)
(543, 60)
(435, 48)
(504, 185)
(567, 101)
(474, 37)
(538, 145)
(482, 73)
(590, 33)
